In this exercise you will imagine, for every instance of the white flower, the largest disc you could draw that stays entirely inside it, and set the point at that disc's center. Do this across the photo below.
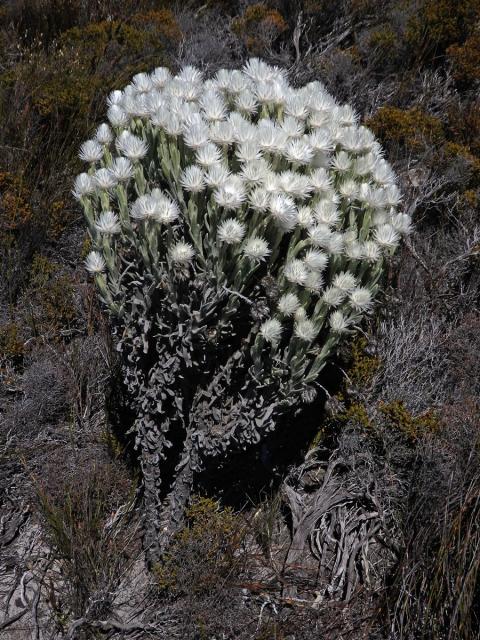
(83, 186)
(320, 235)
(222, 133)
(256, 248)
(167, 210)
(364, 165)
(314, 281)
(371, 251)
(142, 83)
(338, 322)
(288, 304)
(320, 181)
(345, 281)
(231, 231)
(95, 263)
(115, 97)
(305, 330)
(354, 250)
(254, 173)
(190, 74)
(296, 272)
(132, 147)
(341, 162)
(271, 330)
(146, 207)
(326, 212)
(209, 155)
(248, 152)
(299, 152)
(105, 179)
(230, 195)
(334, 244)
(193, 179)
(348, 189)
(217, 176)
(160, 77)
(108, 223)
(104, 134)
(296, 106)
(402, 223)
(292, 127)
(117, 116)
(122, 169)
(333, 296)
(361, 299)
(321, 140)
(316, 260)
(269, 137)
(294, 184)
(213, 106)
(91, 151)
(246, 101)
(196, 135)
(386, 236)
(283, 211)
(259, 199)
(305, 217)
(181, 253)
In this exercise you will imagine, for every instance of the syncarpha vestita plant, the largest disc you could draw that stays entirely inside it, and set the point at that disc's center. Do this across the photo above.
(239, 229)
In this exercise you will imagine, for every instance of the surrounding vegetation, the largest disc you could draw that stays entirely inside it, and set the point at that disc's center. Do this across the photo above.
(360, 517)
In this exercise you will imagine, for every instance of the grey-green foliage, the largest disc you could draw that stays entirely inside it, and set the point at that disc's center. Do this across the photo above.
(239, 229)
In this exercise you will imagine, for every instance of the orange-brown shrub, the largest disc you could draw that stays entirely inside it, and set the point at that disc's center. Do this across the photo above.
(259, 26)
(411, 127)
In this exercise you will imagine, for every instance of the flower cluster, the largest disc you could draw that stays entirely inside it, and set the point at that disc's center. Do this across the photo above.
(237, 177)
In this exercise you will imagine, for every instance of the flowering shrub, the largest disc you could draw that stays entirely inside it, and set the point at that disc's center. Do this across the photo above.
(239, 228)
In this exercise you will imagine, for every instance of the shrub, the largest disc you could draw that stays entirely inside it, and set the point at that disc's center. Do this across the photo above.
(411, 127)
(259, 26)
(238, 232)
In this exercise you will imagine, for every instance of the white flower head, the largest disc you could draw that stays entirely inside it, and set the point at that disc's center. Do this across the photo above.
(181, 253)
(105, 179)
(386, 236)
(316, 260)
(259, 199)
(122, 169)
(305, 330)
(108, 223)
(94, 262)
(104, 134)
(371, 251)
(167, 210)
(231, 195)
(288, 304)
(271, 330)
(345, 281)
(231, 231)
(84, 185)
(361, 299)
(91, 151)
(314, 281)
(193, 179)
(217, 176)
(209, 155)
(256, 248)
(283, 210)
(117, 116)
(295, 271)
(305, 217)
(299, 152)
(338, 322)
(333, 296)
(131, 146)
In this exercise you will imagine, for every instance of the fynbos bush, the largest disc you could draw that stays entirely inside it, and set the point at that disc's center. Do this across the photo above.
(240, 228)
